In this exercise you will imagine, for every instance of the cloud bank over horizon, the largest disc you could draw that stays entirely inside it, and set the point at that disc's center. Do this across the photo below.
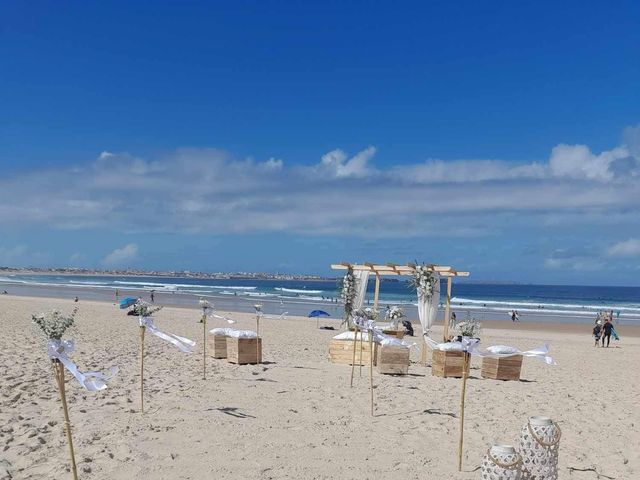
(209, 191)
(576, 209)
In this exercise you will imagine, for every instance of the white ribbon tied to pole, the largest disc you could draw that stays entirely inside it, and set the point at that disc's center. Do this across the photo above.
(92, 381)
(229, 320)
(184, 344)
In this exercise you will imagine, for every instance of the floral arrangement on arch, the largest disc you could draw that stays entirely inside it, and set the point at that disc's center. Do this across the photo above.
(347, 290)
(424, 281)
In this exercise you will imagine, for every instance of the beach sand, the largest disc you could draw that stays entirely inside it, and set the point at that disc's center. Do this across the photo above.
(295, 416)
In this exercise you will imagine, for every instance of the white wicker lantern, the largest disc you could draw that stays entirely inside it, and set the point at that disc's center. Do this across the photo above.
(502, 462)
(539, 445)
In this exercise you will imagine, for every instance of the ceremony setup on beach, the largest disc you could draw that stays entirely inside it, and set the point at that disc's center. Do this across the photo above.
(189, 392)
(320, 240)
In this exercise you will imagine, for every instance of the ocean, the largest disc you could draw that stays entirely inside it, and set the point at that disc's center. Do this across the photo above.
(544, 303)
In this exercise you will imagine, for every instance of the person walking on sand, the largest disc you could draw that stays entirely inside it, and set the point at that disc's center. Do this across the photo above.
(513, 315)
(152, 297)
(607, 329)
(597, 331)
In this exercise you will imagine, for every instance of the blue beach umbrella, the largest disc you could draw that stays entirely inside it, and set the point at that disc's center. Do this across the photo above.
(317, 314)
(127, 302)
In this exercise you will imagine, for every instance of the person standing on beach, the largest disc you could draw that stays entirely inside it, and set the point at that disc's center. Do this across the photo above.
(117, 294)
(607, 328)
(152, 297)
(597, 330)
(513, 315)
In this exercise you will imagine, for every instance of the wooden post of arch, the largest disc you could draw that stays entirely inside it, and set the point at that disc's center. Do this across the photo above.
(447, 310)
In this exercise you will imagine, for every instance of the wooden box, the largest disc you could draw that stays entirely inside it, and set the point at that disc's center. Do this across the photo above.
(503, 368)
(341, 351)
(394, 333)
(447, 363)
(217, 346)
(393, 359)
(244, 350)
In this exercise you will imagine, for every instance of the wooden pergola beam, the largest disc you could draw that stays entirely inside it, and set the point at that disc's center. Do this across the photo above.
(393, 269)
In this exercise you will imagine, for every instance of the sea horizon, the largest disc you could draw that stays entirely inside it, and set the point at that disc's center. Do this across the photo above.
(483, 301)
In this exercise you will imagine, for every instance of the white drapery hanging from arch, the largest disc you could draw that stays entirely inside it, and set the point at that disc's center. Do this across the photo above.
(362, 281)
(428, 306)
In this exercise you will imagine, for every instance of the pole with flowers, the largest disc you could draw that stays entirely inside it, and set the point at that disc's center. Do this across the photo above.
(54, 325)
(145, 319)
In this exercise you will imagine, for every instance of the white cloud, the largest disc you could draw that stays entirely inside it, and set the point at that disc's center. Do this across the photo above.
(463, 171)
(627, 248)
(577, 161)
(337, 163)
(121, 256)
(207, 191)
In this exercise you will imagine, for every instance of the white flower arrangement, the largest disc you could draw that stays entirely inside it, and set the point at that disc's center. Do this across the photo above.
(424, 281)
(144, 309)
(55, 323)
(470, 327)
(394, 314)
(347, 286)
(368, 313)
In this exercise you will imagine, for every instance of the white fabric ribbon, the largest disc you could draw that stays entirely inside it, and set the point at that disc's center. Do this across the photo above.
(279, 317)
(92, 381)
(184, 344)
(369, 327)
(215, 315)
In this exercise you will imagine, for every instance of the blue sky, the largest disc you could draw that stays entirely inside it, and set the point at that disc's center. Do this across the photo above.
(499, 137)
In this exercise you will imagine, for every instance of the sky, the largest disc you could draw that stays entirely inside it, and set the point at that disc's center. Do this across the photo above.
(501, 138)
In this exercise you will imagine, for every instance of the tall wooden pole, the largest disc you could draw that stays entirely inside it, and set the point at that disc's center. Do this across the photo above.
(142, 329)
(371, 367)
(258, 339)
(355, 344)
(465, 374)
(361, 348)
(204, 346)
(447, 310)
(424, 351)
(58, 369)
(376, 292)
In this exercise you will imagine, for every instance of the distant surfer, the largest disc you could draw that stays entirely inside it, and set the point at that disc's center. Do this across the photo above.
(607, 329)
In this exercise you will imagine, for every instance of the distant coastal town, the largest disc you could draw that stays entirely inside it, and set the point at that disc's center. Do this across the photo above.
(160, 273)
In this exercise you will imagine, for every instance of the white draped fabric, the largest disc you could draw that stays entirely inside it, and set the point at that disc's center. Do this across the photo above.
(428, 307)
(362, 280)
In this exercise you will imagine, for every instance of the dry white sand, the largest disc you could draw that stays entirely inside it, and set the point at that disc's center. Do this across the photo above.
(295, 416)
